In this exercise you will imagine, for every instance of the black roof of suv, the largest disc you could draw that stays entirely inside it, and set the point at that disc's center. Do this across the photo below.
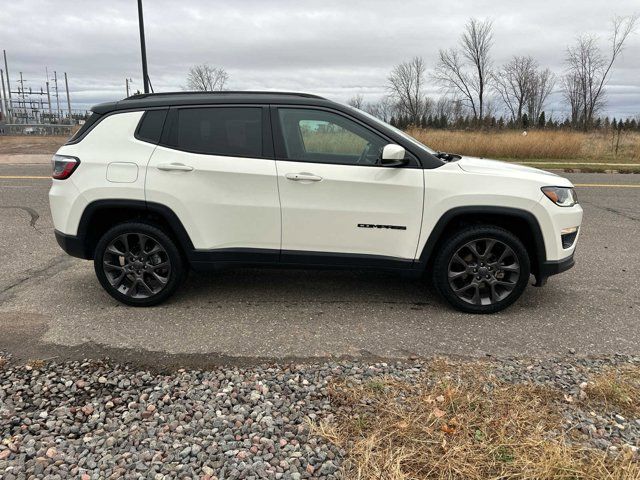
(147, 101)
(168, 99)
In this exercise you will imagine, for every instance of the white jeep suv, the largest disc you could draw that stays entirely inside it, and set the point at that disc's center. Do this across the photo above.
(157, 183)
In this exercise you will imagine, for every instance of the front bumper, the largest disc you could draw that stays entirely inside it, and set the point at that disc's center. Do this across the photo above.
(72, 244)
(553, 267)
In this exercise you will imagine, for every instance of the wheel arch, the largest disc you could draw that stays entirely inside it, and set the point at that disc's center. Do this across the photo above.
(521, 223)
(101, 215)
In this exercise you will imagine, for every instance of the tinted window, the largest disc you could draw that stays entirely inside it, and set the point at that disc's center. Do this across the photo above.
(89, 122)
(326, 137)
(151, 124)
(230, 131)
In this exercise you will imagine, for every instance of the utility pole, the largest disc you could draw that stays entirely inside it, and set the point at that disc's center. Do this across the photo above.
(66, 85)
(2, 96)
(143, 49)
(6, 71)
(49, 98)
(55, 81)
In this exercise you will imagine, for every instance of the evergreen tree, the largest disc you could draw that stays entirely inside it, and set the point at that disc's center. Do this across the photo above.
(542, 120)
(525, 121)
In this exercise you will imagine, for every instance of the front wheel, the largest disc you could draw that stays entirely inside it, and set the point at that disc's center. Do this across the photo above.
(138, 264)
(482, 269)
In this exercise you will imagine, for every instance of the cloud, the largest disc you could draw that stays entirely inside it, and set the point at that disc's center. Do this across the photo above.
(334, 48)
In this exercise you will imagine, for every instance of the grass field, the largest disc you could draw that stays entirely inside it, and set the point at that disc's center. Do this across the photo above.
(537, 146)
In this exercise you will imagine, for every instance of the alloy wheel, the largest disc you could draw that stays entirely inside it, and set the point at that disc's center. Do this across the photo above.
(483, 271)
(136, 265)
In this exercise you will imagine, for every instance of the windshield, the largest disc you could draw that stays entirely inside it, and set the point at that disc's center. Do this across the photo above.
(404, 135)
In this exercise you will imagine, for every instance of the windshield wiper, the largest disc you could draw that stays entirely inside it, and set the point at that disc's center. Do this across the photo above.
(448, 157)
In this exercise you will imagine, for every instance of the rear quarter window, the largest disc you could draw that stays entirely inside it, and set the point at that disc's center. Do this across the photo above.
(150, 127)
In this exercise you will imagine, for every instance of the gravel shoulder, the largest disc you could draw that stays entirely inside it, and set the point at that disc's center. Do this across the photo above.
(97, 419)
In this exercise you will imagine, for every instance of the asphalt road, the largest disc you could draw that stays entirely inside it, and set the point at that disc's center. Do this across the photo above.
(51, 305)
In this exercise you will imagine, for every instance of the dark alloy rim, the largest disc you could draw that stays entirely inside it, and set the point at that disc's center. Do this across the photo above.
(136, 265)
(484, 271)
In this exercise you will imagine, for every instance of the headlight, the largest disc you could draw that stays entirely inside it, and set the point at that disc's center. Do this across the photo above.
(561, 196)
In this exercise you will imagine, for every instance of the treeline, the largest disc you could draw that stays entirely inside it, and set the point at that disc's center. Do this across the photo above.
(491, 122)
(478, 94)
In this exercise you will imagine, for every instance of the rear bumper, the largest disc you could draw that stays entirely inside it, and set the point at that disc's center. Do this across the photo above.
(72, 244)
(553, 267)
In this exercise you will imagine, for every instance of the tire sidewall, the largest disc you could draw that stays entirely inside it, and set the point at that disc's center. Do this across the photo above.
(441, 267)
(177, 264)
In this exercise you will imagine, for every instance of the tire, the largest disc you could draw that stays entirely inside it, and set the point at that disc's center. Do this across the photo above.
(140, 278)
(487, 282)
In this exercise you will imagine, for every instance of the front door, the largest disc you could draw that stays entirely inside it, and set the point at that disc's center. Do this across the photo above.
(337, 201)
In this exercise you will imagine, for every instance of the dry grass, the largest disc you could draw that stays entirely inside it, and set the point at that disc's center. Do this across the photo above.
(460, 423)
(36, 364)
(536, 145)
(616, 390)
(30, 144)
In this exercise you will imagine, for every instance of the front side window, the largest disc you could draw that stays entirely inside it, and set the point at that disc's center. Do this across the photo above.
(226, 131)
(326, 137)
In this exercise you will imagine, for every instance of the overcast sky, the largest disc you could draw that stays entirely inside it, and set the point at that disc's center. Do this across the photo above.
(335, 48)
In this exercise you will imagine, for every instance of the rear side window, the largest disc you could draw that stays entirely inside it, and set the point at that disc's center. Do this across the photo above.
(150, 128)
(89, 122)
(228, 131)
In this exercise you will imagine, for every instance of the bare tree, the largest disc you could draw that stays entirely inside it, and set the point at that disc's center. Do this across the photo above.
(357, 101)
(405, 84)
(540, 88)
(448, 109)
(382, 109)
(206, 78)
(513, 82)
(589, 68)
(523, 87)
(466, 71)
(573, 96)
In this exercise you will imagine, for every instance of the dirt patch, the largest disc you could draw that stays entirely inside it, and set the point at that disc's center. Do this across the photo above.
(26, 144)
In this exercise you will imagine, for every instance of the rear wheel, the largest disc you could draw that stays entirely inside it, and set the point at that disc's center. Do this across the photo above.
(138, 264)
(482, 269)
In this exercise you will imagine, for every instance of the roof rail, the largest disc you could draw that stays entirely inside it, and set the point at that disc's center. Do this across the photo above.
(223, 92)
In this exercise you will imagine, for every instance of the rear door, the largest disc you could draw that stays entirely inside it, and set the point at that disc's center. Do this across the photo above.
(215, 169)
(338, 204)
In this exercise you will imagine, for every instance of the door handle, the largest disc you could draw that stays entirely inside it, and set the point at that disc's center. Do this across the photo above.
(303, 177)
(181, 167)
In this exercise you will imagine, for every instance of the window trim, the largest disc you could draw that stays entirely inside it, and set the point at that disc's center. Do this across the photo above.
(280, 148)
(267, 140)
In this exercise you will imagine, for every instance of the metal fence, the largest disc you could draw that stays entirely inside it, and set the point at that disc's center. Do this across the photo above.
(35, 129)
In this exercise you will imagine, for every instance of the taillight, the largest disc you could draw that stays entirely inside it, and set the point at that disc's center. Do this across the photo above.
(63, 166)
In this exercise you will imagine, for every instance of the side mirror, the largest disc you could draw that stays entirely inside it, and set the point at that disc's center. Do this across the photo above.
(393, 156)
